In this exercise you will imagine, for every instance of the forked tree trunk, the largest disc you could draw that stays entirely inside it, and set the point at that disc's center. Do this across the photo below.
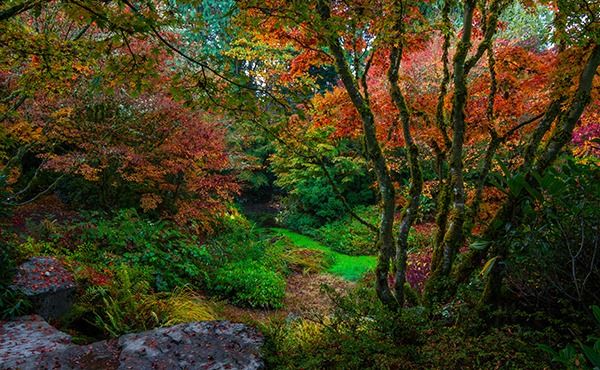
(453, 235)
(454, 220)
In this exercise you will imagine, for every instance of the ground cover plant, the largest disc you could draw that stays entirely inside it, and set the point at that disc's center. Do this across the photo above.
(373, 184)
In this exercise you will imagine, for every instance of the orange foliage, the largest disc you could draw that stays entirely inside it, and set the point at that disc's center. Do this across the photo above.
(173, 158)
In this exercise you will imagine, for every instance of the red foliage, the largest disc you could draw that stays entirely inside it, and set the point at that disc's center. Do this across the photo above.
(93, 276)
(418, 268)
(587, 136)
(169, 153)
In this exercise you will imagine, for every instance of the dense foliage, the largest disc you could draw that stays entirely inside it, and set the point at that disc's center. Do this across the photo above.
(375, 184)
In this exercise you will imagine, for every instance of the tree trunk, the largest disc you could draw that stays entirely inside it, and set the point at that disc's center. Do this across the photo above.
(416, 176)
(453, 236)
(386, 242)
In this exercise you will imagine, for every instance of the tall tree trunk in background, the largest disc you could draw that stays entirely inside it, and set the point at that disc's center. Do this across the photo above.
(453, 235)
(416, 177)
(386, 242)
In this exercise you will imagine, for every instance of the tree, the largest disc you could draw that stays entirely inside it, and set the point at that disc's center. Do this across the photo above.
(515, 106)
(467, 110)
(95, 124)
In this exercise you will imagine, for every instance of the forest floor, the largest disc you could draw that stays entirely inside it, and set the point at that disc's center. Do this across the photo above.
(303, 298)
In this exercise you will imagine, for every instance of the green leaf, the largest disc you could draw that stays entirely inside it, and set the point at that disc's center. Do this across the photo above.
(547, 349)
(592, 355)
(479, 245)
(533, 192)
(596, 311)
(488, 266)
(505, 169)
(516, 184)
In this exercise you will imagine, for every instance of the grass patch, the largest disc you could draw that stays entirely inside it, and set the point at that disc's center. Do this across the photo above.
(349, 267)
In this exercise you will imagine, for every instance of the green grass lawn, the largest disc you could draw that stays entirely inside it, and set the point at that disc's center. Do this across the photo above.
(349, 267)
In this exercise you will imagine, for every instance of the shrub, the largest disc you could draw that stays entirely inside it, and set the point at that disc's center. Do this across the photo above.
(421, 237)
(32, 248)
(12, 303)
(237, 239)
(282, 255)
(311, 200)
(306, 261)
(418, 268)
(249, 283)
(314, 197)
(4, 192)
(508, 347)
(295, 219)
(589, 353)
(181, 306)
(129, 305)
(171, 257)
(293, 344)
(426, 209)
(555, 251)
(120, 307)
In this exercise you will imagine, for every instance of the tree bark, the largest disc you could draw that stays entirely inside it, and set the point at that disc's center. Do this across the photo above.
(17, 9)
(416, 176)
(453, 236)
(440, 116)
(386, 242)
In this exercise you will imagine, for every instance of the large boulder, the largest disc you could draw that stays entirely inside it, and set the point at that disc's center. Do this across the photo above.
(30, 343)
(47, 284)
(25, 339)
(199, 345)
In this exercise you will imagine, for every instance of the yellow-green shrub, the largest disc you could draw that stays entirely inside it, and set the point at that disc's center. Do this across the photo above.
(183, 305)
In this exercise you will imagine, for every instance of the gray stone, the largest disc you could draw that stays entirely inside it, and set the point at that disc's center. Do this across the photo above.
(25, 339)
(47, 284)
(31, 343)
(102, 355)
(200, 345)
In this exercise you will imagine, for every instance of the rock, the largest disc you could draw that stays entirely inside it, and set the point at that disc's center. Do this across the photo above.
(31, 343)
(47, 284)
(199, 345)
(102, 355)
(25, 339)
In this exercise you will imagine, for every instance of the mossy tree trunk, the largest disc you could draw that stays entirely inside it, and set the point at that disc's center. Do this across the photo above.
(386, 240)
(451, 220)
(416, 176)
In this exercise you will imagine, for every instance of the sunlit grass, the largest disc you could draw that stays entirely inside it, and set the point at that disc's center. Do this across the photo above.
(349, 267)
